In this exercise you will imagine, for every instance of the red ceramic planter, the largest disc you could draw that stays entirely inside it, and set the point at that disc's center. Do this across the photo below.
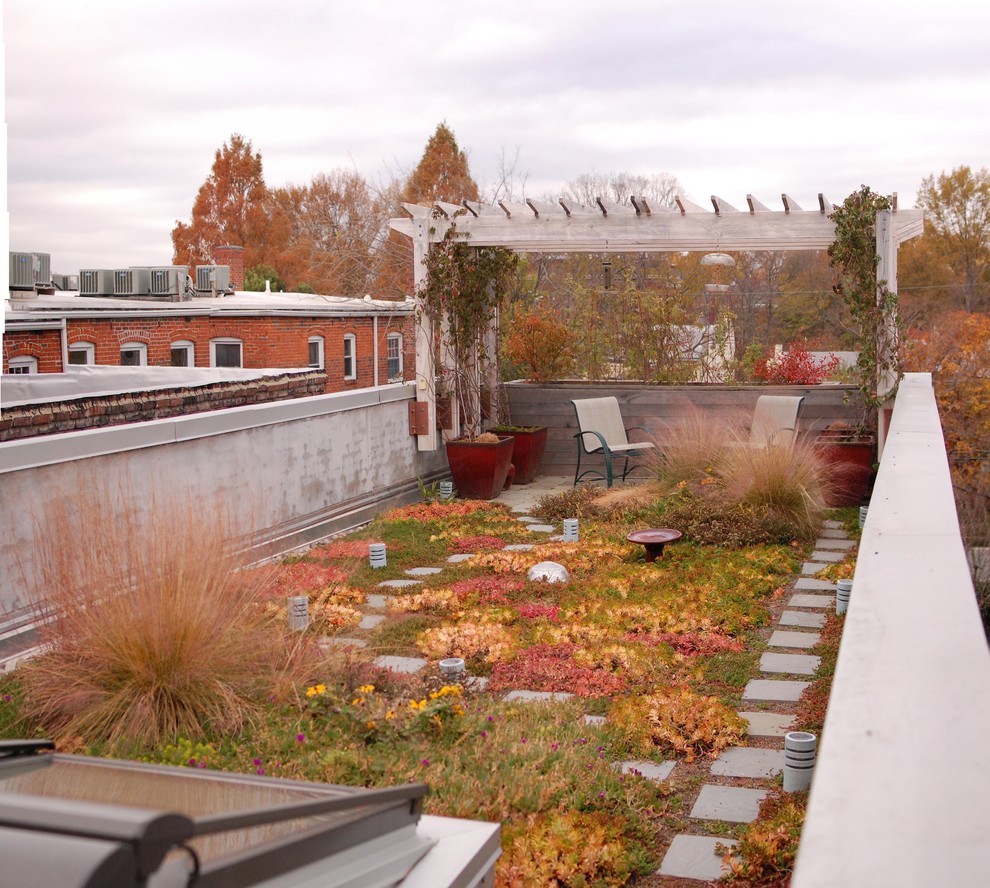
(850, 465)
(526, 452)
(479, 469)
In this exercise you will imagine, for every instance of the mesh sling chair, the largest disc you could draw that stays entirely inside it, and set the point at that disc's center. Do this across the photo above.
(602, 432)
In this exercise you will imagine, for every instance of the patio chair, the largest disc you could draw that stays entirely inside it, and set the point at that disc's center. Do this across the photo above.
(775, 420)
(602, 431)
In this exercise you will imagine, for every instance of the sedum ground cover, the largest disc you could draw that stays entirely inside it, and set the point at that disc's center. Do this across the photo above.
(661, 650)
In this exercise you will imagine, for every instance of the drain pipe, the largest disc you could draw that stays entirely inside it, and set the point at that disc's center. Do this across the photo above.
(64, 333)
(374, 337)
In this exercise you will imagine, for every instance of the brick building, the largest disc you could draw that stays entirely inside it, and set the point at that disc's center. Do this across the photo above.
(357, 342)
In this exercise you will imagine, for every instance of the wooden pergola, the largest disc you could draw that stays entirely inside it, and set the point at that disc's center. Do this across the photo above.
(640, 227)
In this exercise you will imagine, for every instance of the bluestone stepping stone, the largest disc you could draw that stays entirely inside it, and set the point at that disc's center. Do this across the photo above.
(528, 519)
(341, 641)
(810, 568)
(768, 724)
(537, 696)
(407, 665)
(369, 621)
(695, 857)
(832, 524)
(476, 682)
(811, 601)
(833, 533)
(594, 720)
(793, 664)
(399, 584)
(742, 761)
(541, 528)
(774, 690)
(841, 545)
(828, 556)
(423, 571)
(463, 556)
(519, 547)
(802, 618)
(378, 602)
(781, 638)
(732, 803)
(649, 770)
(811, 584)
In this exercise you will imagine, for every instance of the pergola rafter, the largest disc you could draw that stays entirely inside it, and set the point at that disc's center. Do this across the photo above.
(641, 226)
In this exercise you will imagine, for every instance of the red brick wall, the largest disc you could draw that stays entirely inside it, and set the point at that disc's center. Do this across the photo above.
(267, 342)
(45, 345)
(234, 257)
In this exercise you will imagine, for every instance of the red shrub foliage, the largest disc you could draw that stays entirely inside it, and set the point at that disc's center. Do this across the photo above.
(549, 667)
(305, 577)
(796, 366)
(475, 544)
(490, 590)
(691, 644)
(535, 611)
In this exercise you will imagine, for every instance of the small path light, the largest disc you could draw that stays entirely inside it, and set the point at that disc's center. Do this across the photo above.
(298, 607)
(452, 667)
(799, 760)
(570, 530)
(446, 489)
(376, 552)
(862, 515)
(843, 589)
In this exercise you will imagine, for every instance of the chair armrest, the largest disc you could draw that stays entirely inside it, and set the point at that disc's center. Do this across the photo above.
(598, 435)
(637, 428)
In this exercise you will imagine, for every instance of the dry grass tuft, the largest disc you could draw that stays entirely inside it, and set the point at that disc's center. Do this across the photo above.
(789, 479)
(152, 632)
(692, 450)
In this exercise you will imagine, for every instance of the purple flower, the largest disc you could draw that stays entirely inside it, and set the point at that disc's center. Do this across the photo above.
(491, 718)
(425, 762)
(192, 762)
(201, 765)
(554, 746)
(523, 740)
(484, 733)
(7, 698)
(261, 771)
(601, 795)
(301, 738)
(256, 761)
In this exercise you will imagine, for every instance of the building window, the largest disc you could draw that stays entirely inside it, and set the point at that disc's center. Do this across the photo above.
(225, 353)
(350, 356)
(394, 351)
(183, 354)
(133, 354)
(316, 352)
(22, 364)
(82, 353)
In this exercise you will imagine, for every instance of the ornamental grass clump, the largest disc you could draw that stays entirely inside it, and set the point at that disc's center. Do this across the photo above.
(787, 479)
(150, 631)
(692, 451)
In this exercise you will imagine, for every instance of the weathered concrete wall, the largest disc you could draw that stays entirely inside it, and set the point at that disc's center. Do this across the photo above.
(660, 408)
(294, 470)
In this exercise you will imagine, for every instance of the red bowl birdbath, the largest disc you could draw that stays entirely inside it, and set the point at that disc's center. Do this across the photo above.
(654, 540)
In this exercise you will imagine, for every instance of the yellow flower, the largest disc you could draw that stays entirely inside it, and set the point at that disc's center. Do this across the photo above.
(366, 689)
(390, 714)
(414, 705)
(316, 690)
(357, 701)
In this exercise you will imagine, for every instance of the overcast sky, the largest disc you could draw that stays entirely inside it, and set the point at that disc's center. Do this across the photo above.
(115, 109)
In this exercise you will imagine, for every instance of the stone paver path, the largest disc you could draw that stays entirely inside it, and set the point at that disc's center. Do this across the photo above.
(695, 857)
(781, 638)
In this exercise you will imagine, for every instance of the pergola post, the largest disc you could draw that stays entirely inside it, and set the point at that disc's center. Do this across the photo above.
(887, 337)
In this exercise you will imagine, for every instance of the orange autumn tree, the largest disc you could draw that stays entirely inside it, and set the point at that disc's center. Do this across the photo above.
(231, 207)
(441, 175)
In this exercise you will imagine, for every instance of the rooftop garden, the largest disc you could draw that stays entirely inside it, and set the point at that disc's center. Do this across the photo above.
(177, 654)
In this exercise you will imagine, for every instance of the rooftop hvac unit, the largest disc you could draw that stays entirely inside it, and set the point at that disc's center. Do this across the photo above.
(21, 272)
(96, 282)
(169, 280)
(207, 274)
(65, 281)
(131, 281)
(28, 270)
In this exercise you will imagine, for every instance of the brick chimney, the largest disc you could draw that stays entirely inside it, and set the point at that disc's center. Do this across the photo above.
(234, 257)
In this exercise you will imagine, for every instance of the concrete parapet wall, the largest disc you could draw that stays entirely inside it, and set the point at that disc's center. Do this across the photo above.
(900, 790)
(297, 470)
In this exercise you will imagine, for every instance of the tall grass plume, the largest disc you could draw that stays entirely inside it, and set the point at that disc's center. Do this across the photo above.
(150, 629)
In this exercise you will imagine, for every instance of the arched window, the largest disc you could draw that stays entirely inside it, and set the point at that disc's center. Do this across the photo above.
(183, 354)
(22, 364)
(82, 353)
(350, 356)
(226, 351)
(133, 354)
(394, 351)
(316, 352)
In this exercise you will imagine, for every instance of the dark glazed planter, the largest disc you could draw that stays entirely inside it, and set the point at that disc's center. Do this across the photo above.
(479, 469)
(527, 451)
(850, 466)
